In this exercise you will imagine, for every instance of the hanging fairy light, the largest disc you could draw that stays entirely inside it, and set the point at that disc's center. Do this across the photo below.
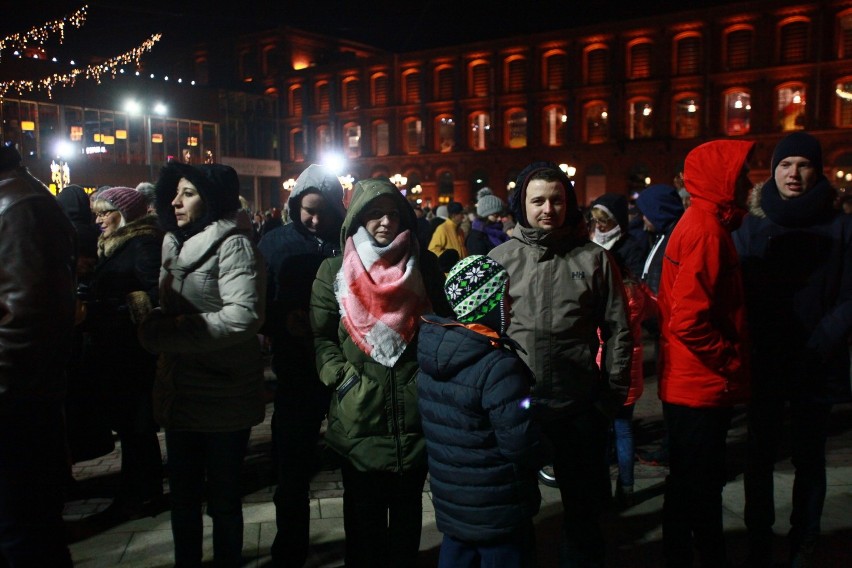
(40, 34)
(97, 72)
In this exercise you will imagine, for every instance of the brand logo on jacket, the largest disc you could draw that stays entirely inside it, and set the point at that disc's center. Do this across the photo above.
(578, 275)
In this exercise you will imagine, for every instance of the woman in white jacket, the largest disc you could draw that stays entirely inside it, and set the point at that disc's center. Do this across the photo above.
(209, 387)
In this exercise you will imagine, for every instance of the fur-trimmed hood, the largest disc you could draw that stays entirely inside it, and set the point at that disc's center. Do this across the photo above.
(143, 227)
(754, 207)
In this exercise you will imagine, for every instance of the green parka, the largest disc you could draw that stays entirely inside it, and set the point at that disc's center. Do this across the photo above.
(373, 419)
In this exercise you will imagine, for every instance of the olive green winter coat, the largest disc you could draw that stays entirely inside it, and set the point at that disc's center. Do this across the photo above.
(373, 419)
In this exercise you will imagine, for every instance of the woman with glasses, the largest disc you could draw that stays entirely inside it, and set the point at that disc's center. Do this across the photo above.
(122, 288)
(209, 387)
(365, 315)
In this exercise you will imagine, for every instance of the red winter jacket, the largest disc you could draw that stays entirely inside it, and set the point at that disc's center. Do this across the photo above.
(703, 346)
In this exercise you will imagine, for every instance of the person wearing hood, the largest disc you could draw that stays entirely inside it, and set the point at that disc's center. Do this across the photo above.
(704, 371)
(610, 217)
(293, 254)
(122, 289)
(564, 289)
(365, 316)
(208, 392)
(473, 394)
(796, 255)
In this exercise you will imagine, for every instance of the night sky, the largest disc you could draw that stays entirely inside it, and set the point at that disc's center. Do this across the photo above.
(115, 26)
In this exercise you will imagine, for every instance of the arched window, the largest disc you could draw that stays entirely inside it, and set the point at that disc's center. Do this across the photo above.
(516, 128)
(379, 89)
(844, 34)
(843, 98)
(639, 59)
(739, 47)
(687, 54)
(381, 138)
(295, 100)
(271, 60)
(555, 118)
(352, 139)
(790, 106)
(686, 121)
(412, 129)
(793, 40)
(445, 133)
(297, 145)
(515, 74)
(640, 118)
(411, 86)
(596, 64)
(737, 112)
(351, 97)
(555, 70)
(595, 122)
(480, 130)
(323, 142)
(444, 83)
(322, 97)
(478, 79)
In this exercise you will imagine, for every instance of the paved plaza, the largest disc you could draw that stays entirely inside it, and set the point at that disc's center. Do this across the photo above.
(634, 534)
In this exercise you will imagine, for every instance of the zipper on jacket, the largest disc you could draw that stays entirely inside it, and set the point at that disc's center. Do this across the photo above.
(397, 434)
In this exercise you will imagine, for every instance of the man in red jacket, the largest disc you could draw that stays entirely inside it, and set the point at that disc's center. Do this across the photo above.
(704, 367)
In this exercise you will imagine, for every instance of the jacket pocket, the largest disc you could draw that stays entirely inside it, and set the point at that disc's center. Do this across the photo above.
(358, 405)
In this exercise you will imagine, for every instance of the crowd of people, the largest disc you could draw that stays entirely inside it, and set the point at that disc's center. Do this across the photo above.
(475, 346)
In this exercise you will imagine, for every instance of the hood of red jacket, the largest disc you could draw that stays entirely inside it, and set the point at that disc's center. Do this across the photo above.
(710, 175)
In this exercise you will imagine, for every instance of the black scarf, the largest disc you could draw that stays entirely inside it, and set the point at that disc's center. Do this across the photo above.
(814, 206)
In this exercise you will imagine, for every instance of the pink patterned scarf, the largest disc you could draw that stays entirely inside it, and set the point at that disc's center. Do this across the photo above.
(381, 295)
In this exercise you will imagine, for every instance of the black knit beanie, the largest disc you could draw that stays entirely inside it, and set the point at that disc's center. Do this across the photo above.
(616, 205)
(798, 144)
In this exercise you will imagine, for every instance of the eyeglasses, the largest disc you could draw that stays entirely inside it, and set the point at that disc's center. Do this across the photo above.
(101, 214)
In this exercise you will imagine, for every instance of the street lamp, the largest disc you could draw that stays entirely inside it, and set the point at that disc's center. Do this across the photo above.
(346, 181)
(398, 180)
(60, 173)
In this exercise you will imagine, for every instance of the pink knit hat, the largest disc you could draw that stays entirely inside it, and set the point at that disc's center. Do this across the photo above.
(130, 203)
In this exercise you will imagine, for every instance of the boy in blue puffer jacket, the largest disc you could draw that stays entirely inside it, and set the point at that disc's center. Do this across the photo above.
(473, 396)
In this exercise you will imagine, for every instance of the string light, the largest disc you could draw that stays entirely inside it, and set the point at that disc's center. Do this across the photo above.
(40, 34)
(96, 72)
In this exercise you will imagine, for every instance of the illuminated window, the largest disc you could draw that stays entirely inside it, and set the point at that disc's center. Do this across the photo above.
(445, 129)
(516, 128)
(595, 122)
(596, 62)
(480, 130)
(323, 142)
(686, 116)
(688, 54)
(640, 113)
(790, 106)
(297, 145)
(843, 92)
(322, 100)
(555, 118)
(737, 113)
(352, 139)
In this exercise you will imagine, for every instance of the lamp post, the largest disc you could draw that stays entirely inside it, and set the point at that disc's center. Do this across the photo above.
(399, 180)
(60, 172)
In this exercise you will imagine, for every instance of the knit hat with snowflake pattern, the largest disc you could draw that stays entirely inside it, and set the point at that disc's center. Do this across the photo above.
(477, 288)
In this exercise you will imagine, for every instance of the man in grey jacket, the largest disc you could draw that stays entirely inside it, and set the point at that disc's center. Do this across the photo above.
(37, 271)
(564, 289)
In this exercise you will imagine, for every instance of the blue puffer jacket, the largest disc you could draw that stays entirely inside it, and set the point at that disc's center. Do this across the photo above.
(473, 396)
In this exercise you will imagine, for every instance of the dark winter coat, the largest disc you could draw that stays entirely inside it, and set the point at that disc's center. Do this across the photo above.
(663, 207)
(129, 262)
(473, 394)
(796, 258)
(484, 236)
